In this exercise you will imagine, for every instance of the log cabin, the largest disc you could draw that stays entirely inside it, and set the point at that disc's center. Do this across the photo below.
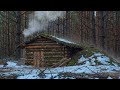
(46, 50)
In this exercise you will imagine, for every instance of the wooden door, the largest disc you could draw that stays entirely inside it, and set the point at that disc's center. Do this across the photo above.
(38, 59)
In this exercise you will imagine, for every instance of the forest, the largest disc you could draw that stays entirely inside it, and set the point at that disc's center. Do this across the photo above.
(28, 36)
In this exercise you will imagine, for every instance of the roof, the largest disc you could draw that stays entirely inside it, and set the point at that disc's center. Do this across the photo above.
(56, 39)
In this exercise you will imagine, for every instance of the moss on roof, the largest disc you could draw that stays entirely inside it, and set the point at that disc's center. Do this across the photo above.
(74, 45)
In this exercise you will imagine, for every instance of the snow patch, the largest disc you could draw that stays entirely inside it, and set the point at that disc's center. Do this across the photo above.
(11, 64)
(97, 54)
(103, 59)
(109, 77)
(82, 59)
(95, 59)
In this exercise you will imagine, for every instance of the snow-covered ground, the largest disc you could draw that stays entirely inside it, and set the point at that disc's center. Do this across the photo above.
(97, 63)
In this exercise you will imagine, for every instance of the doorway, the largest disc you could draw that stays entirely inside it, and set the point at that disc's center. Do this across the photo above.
(38, 59)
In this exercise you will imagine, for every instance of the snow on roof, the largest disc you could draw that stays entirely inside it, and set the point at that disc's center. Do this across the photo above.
(55, 38)
(63, 40)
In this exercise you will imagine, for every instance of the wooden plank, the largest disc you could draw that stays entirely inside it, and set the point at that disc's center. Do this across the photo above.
(32, 44)
(52, 60)
(45, 49)
(43, 42)
(42, 47)
(49, 60)
(49, 47)
(43, 39)
(54, 56)
(61, 52)
(39, 39)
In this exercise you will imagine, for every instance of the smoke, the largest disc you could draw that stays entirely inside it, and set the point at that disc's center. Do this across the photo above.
(40, 21)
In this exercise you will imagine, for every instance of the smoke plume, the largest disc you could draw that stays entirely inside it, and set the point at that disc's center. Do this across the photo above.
(40, 20)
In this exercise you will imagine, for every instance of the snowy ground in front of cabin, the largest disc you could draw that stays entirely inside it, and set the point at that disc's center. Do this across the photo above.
(97, 63)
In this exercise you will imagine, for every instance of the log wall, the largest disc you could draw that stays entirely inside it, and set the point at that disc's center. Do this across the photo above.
(53, 52)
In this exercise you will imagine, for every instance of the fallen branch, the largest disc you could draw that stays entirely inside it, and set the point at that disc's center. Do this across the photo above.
(66, 61)
(57, 64)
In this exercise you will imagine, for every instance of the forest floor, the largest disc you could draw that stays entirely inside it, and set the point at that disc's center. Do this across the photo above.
(96, 66)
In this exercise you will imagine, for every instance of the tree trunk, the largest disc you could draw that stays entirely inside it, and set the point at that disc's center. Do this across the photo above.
(18, 30)
(93, 28)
